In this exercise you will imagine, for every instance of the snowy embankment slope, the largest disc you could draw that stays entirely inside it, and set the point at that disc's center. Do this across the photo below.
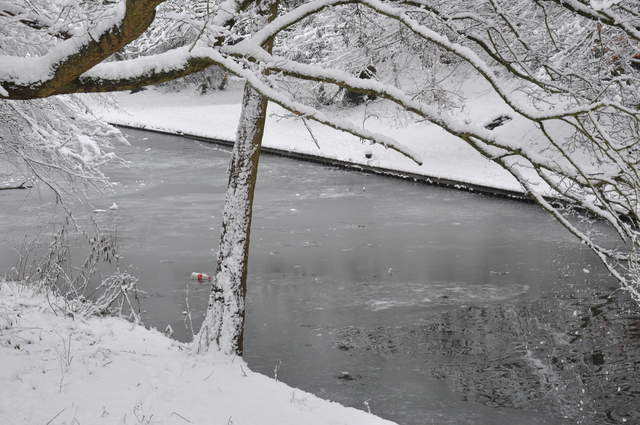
(216, 116)
(57, 370)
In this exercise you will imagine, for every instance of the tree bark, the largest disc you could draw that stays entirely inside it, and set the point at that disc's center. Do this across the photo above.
(223, 326)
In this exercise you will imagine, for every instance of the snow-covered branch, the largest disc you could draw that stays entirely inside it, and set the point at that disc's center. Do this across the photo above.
(50, 74)
(603, 11)
(143, 71)
(309, 112)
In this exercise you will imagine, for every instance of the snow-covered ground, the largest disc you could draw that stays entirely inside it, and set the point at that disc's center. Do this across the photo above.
(57, 370)
(216, 116)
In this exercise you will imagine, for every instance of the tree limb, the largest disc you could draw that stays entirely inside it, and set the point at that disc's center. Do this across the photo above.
(48, 75)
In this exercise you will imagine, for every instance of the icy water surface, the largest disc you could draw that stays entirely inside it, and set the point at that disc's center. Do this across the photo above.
(424, 305)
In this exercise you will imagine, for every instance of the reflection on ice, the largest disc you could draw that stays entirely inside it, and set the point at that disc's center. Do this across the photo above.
(532, 356)
(414, 294)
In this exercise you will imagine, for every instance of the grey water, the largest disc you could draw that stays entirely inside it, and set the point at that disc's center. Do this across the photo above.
(421, 304)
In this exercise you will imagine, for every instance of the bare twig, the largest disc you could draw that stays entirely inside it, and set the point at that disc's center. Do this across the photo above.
(54, 417)
(313, 137)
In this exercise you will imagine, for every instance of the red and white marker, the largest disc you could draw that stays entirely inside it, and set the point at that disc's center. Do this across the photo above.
(200, 277)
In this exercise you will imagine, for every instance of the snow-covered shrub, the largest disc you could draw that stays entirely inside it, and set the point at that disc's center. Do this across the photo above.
(76, 284)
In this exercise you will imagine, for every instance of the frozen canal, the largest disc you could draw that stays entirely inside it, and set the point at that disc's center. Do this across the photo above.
(426, 305)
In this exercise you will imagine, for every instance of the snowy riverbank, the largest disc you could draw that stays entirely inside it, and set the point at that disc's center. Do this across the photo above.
(57, 370)
(216, 116)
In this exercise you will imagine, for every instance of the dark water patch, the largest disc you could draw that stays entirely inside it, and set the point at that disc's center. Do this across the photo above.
(567, 355)
(574, 356)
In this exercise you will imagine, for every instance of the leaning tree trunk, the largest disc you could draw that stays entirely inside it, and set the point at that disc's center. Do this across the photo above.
(224, 321)
(223, 326)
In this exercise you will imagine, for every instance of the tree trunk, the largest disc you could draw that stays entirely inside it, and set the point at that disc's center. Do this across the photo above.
(224, 321)
(223, 325)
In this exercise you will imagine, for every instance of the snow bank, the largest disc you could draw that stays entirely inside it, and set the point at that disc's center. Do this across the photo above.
(445, 156)
(57, 370)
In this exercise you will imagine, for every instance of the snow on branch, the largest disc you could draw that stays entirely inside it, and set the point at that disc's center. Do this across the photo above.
(601, 11)
(32, 20)
(143, 71)
(471, 57)
(291, 18)
(42, 76)
(309, 112)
